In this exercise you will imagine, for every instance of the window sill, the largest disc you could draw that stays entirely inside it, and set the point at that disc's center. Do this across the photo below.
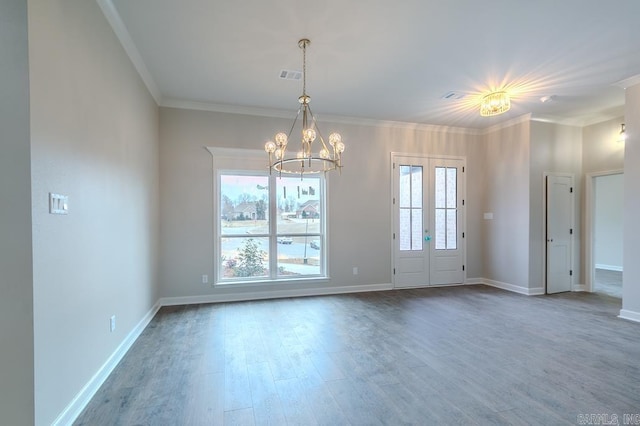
(270, 283)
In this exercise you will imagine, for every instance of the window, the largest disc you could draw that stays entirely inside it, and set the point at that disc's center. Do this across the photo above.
(270, 227)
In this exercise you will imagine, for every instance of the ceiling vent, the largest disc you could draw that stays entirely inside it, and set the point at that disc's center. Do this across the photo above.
(452, 95)
(290, 75)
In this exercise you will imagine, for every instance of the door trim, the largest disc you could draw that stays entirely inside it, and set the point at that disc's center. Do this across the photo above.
(544, 227)
(589, 203)
(463, 222)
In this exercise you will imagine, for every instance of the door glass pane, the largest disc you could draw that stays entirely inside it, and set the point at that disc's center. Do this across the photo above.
(244, 204)
(405, 229)
(452, 189)
(416, 229)
(416, 186)
(440, 188)
(405, 186)
(244, 257)
(452, 231)
(446, 200)
(440, 231)
(410, 207)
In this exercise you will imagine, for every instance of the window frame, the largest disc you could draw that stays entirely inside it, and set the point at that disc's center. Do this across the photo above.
(247, 162)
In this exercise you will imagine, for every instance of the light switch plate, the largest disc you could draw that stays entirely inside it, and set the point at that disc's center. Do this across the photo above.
(58, 204)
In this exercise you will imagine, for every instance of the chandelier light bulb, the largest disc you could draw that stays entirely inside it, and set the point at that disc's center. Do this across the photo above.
(270, 147)
(324, 153)
(339, 147)
(281, 139)
(278, 154)
(309, 135)
(334, 138)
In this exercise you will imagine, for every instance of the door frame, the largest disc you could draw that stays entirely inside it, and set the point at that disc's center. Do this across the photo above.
(463, 221)
(544, 226)
(589, 223)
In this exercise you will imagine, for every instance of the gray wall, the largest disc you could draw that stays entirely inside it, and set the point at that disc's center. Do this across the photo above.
(601, 150)
(505, 178)
(186, 250)
(16, 281)
(608, 225)
(631, 247)
(94, 131)
(555, 148)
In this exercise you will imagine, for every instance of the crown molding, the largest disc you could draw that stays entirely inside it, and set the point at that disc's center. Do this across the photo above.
(628, 82)
(496, 127)
(120, 29)
(337, 119)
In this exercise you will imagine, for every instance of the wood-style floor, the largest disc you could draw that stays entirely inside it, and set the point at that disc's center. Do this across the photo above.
(439, 356)
(608, 282)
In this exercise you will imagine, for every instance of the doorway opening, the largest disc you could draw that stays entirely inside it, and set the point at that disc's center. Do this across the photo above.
(604, 233)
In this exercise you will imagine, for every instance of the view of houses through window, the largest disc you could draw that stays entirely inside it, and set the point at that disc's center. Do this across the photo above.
(270, 227)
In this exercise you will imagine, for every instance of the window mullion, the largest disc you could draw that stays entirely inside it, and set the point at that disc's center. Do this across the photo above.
(273, 228)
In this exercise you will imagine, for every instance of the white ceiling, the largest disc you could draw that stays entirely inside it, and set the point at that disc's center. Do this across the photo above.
(386, 59)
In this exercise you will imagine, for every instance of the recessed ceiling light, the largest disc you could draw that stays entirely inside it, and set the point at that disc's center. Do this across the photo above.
(548, 98)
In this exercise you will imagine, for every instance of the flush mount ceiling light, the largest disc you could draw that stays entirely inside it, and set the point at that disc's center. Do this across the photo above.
(310, 158)
(495, 103)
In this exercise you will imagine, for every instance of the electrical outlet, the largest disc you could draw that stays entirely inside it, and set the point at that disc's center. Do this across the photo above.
(205, 279)
(355, 270)
(112, 323)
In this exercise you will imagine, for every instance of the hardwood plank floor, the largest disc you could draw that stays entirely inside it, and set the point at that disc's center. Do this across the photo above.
(455, 355)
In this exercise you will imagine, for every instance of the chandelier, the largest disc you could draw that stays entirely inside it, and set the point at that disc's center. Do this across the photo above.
(314, 155)
(494, 103)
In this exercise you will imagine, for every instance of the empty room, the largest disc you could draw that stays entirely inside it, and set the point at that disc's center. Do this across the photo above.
(294, 212)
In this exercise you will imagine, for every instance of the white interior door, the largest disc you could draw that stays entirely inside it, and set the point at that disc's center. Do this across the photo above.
(559, 233)
(428, 218)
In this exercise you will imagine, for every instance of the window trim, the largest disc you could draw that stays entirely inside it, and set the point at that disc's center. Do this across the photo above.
(252, 163)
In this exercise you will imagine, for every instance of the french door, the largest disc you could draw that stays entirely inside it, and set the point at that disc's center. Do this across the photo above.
(428, 220)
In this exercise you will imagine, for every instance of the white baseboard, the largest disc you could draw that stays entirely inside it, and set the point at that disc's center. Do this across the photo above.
(514, 288)
(474, 281)
(609, 267)
(579, 287)
(75, 407)
(629, 315)
(272, 294)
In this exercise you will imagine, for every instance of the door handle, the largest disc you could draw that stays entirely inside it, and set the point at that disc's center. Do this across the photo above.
(427, 238)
